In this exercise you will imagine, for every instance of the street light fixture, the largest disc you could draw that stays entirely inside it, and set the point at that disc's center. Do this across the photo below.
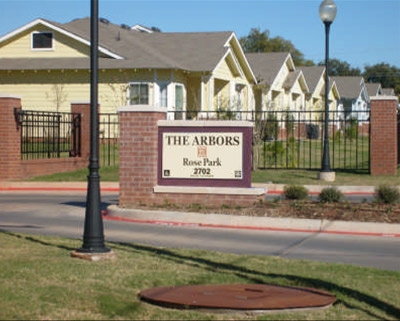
(93, 247)
(327, 13)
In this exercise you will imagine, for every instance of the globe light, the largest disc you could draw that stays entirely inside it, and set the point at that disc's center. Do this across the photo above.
(327, 11)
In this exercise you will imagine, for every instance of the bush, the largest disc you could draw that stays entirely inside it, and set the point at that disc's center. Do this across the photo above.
(330, 195)
(387, 194)
(312, 131)
(295, 192)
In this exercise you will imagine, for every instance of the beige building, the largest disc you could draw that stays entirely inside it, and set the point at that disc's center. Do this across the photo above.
(48, 65)
(280, 86)
(315, 98)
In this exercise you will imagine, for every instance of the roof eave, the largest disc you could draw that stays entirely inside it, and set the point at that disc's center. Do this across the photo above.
(60, 30)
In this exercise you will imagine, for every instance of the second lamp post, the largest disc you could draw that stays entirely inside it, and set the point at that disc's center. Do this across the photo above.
(327, 13)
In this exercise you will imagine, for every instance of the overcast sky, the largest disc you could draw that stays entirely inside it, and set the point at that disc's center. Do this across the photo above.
(365, 32)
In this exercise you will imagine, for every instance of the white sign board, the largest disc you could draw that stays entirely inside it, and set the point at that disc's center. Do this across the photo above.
(209, 155)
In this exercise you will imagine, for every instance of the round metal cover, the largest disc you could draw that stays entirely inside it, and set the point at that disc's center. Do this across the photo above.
(237, 297)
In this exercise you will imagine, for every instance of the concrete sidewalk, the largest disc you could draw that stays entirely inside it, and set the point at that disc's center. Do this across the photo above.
(221, 220)
(114, 187)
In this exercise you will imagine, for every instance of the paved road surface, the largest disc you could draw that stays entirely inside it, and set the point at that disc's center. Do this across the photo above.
(63, 214)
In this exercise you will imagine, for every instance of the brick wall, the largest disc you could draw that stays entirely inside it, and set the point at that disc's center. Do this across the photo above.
(384, 145)
(138, 164)
(10, 153)
(138, 154)
(11, 165)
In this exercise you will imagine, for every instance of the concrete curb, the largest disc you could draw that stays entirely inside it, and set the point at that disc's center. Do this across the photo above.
(114, 187)
(250, 222)
(222, 220)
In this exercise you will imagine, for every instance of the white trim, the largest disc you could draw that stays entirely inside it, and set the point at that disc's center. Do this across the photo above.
(229, 52)
(142, 28)
(233, 36)
(205, 123)
(384, 98)
(141, 109)
(43, 49)
(10, 96)
(60, 30)
(209, 190)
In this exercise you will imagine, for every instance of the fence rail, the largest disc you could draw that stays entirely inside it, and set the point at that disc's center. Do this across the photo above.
(282, 139)
(108, 140)
(285, 139)
(49, 134)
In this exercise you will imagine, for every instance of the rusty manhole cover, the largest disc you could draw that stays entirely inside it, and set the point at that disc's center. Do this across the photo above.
(253, 297)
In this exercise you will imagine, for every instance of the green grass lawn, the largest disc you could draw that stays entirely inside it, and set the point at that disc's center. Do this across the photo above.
(307, 153)
(276, 176)
(40, 281)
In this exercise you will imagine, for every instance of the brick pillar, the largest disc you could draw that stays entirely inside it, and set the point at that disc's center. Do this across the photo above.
(384, 145)
(138, 153)
(10, 133)
(83, 109)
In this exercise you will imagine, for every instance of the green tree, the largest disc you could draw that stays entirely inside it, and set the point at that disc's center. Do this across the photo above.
(260, 41)
(341, 68)
(388, 76)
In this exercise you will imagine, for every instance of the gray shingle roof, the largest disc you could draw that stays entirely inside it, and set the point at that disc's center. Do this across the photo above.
(348, 86)
(374, 89)
(200, 51)
(266, 65)
(388, 91)
(312, 75)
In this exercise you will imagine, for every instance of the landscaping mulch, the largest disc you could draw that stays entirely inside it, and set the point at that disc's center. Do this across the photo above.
(306, 209)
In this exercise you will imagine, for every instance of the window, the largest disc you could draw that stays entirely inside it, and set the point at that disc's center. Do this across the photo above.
(138, 94)
(179, 97)
(163, 94)
(42, 40)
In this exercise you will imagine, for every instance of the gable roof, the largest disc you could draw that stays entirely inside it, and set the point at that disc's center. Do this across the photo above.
(388, 91)
(349, 86)
(313, 75)
(126, 48)
(267, 65)
(374, 89)
(59, 28)
(293, 77)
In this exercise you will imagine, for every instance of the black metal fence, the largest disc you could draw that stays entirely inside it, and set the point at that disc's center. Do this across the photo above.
(49, 134)
(108, 140)
(285, 139)
(282, 139)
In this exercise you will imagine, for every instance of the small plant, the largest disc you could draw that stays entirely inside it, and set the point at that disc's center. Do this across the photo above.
(295, 192)
(330, 195)
(387, 194)
(196, 207)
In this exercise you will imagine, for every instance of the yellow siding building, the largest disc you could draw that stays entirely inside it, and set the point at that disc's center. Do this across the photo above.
(47, 64)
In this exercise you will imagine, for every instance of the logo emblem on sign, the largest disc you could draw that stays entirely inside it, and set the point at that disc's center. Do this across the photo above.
(201, 151)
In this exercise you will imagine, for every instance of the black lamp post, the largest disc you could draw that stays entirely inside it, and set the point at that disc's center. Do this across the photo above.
(327, 13)
(93, 237)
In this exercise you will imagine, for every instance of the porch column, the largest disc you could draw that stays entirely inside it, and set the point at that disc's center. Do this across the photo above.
(211, 88)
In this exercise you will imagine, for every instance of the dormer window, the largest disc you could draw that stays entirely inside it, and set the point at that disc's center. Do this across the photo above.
(42, 40)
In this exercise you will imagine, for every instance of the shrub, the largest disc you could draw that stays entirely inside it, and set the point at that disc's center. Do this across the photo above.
(295, 192)
(312, 131)
(330, 195)
(387, 194)
(351, 131)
